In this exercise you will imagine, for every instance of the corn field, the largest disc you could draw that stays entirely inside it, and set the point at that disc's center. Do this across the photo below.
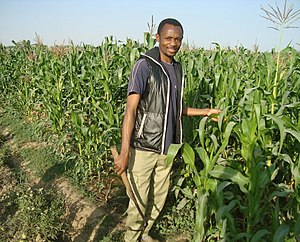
(241, 175)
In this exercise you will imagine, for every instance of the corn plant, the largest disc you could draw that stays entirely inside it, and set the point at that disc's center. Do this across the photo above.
(281, 19)
(209, 154)
(240, 175)
(241, 83)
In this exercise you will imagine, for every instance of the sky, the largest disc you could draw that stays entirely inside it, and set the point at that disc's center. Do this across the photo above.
(230, 23)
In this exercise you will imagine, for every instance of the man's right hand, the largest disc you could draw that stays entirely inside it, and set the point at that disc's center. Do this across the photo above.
(121, 163)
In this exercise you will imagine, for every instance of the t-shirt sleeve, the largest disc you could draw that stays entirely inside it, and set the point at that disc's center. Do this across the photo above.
(138, 77)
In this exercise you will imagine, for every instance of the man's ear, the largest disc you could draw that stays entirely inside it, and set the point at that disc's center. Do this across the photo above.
(157, 37)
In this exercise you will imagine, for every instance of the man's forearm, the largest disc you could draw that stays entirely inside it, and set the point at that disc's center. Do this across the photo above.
(128, 124)
(188, 111)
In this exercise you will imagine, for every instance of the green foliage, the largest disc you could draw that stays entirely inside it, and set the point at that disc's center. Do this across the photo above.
(256, 174)
(176, 220)
(78, 92)
(239, 177)
(4, 152)
(204, 185)
(281, 19)
(39, 215)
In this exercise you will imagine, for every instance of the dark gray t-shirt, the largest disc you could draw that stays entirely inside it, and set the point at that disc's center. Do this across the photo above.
(137, 84)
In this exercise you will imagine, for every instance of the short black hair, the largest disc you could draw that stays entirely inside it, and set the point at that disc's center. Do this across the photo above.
(171, 21)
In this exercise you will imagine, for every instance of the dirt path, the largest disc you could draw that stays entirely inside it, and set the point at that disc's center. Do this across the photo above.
(100, 219)
(89, 221)
(85, 216)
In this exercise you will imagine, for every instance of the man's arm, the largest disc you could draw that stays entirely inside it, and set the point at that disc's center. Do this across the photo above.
(128, 123)
(188, 111)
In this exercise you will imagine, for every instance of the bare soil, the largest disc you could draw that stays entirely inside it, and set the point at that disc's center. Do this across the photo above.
(90, 220)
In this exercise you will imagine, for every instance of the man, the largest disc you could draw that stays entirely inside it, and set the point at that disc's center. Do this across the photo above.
(151, 123)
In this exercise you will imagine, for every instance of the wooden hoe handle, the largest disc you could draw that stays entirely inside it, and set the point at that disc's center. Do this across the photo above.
(128, 188)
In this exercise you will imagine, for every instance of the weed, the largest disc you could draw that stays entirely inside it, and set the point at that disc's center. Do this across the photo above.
(39, 215)
(174, 221)
(4, 153)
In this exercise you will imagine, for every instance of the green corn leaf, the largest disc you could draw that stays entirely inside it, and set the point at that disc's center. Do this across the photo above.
(75, 119)
(202, 130)
(215, 142)
(228, 173)
(224, 144)
(221, 117)
(190, 64)
(222, 186)
(295, 133)
(172, 152)
(257, 112)
(201, 210)
(274, 174)
(204, 157)
(280, 124)
(210, 184)
(197, 180)
(182, 203)
(133, 54)
(281, 232)
(279, 194)
(188, 192)
(287, 120)
(189, 157)
(225, 209)
(241, 237)
(297, 226)
(177, 184)
(265, 177)
(259, 235)
(295, 169)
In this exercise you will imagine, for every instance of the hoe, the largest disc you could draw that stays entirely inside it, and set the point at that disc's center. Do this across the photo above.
(129, 189)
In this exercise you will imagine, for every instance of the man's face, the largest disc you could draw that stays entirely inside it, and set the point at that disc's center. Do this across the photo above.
(169, 39)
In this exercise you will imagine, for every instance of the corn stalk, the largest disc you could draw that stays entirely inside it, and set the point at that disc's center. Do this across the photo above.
(281, 19)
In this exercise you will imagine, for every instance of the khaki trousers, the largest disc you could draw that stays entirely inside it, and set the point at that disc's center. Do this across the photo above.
(150, 179)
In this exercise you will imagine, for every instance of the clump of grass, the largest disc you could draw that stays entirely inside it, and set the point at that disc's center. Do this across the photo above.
(4, 151)
(174, 221)
(4, 155)
(39, 215)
